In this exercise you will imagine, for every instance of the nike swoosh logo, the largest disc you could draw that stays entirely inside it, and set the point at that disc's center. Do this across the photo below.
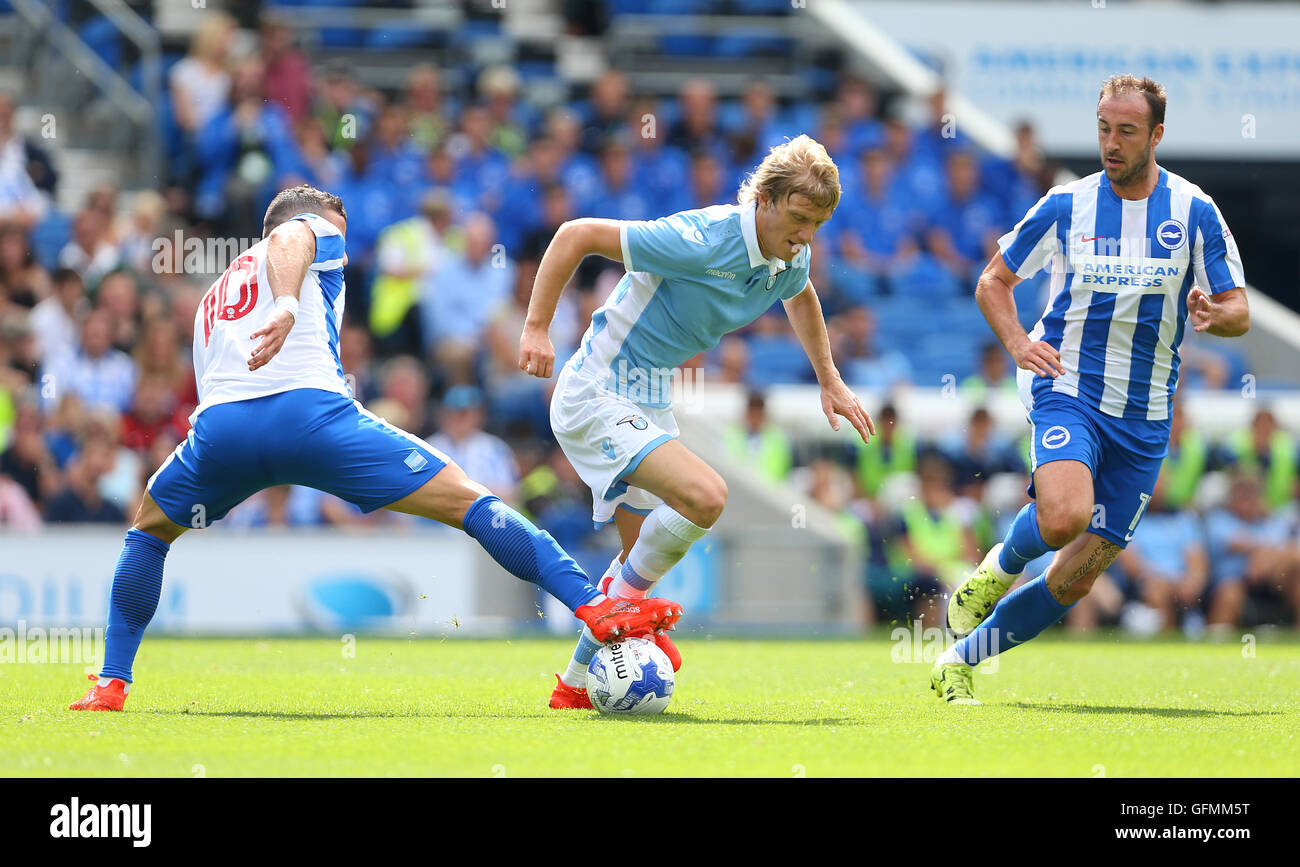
(1093, 238)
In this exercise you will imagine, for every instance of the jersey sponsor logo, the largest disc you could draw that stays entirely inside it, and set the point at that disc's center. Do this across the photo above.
(232, 297)
(635, 420)
(1171, 234)
(1055, 437)
(1116, 273)
(416, 461)
(695, 236)
(725, 275)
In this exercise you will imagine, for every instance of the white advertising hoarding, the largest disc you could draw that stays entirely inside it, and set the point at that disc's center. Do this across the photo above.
(1231, 70)
(263, 582)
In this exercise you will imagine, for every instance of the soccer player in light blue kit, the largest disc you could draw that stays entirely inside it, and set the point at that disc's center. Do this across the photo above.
(691, 278)
(275, 409)
(1135, 251)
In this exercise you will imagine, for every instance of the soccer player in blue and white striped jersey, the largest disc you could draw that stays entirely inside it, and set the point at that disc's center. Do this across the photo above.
(1135, 252)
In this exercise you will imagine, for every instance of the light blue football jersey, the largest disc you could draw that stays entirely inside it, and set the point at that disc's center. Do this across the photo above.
(692, 278)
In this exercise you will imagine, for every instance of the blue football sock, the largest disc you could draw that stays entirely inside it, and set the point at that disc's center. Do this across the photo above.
(527, 552)
(1023, 542)
(137, 586)
(1021, 615)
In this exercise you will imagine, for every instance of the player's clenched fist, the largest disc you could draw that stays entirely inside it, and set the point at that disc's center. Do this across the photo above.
(536, 354)
(1040, 357)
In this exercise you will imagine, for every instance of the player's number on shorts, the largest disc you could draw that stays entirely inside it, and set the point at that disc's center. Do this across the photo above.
(232, 297)
(1142, 507)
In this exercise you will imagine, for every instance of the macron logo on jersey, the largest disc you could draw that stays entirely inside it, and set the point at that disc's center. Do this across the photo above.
(725, 275)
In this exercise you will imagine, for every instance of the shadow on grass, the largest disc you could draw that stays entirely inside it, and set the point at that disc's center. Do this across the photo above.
(1142, 711)
(659, 719)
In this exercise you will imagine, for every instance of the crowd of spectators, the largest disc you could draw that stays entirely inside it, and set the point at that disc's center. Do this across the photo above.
(453, 194)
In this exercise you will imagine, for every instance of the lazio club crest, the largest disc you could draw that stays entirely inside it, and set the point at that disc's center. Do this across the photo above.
(635, 420)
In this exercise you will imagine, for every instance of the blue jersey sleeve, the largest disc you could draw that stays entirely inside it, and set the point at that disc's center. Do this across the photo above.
(674, 246)
(1028, 247)
(329, 243)
(1215, 258)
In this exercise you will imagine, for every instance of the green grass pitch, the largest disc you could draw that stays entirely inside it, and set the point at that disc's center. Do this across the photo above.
(298, 707)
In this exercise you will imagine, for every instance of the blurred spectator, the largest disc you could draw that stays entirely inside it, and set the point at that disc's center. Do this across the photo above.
(498, 88)
(406, 384)
(1250, 548)
(355, 357)
(23, 282)
(79, 500)
(965, 222)
(978, 453)
(1167, 562)
(407, 259)
(27, 460)
(478, 162)
(892, 451)
(118, 297)
(120, 483)
(103, 377)
(605, 113)
(855, 103)
(154, 416)
(141, 229)
(344, 110)
(17, 512)
(1268, 450)
(163, 352)
(876, 223)
(995, 375)
(244, 150)
(426, 110)
(616, 196)
(860, 361)
(775, 353)
(465, 291)
(937, 537)
(288, 72)
(91, 251)
(484, 457)
(697, 128)
(759, 127)
(27, 176)
(1187, 461)
(200, 85)
(758, 443)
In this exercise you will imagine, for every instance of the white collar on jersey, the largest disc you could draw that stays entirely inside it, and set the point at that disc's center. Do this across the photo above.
(749, 229)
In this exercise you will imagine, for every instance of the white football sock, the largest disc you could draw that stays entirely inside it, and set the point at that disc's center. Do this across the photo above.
(665, 538)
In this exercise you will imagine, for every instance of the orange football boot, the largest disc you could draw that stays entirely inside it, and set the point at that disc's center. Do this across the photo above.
(613, 618)
(569, 697)
(110, 697)
(660, 638)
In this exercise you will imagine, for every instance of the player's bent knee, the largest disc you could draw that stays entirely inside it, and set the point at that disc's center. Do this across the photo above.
(1061, 526)
(705, 500)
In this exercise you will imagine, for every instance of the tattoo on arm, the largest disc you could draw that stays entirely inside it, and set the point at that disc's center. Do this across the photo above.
(1100, 558)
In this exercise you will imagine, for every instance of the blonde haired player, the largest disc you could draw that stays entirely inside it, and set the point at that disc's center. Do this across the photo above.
(691, 278)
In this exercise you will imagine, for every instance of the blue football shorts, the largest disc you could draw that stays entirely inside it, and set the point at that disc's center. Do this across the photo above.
(304, 436)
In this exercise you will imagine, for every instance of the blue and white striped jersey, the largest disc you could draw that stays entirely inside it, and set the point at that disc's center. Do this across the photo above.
(1121, 271)
(692, 278)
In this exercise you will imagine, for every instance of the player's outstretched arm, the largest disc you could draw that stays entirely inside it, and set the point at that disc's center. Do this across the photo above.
(1225, 314)
(573, 241)
(289, 254)
(995, 295)
(805, 312)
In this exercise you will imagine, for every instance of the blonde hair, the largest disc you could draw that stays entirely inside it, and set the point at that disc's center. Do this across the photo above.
(798, 166)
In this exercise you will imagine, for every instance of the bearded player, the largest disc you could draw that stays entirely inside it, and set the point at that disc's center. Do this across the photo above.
(691, 278)
(275, 409)
(1135, 252)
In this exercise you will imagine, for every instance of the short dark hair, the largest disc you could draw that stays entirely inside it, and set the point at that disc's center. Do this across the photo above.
(1119, 85)
(302, 199)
